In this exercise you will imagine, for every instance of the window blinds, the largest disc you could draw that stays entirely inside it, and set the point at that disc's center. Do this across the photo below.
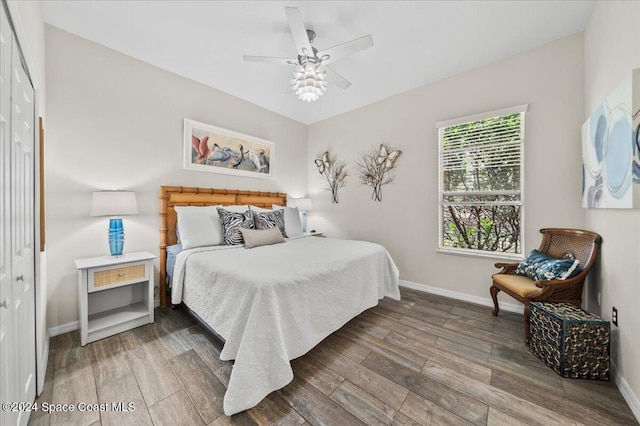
(483, 156)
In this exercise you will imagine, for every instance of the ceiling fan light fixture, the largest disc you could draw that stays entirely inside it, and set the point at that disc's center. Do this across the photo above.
(310, 72)
(309, 81)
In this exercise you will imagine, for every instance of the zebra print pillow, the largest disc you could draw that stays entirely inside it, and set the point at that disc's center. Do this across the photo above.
(271, 219)
(231, 224)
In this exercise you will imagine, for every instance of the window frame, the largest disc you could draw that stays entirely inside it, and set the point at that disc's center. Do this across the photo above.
(441, 125)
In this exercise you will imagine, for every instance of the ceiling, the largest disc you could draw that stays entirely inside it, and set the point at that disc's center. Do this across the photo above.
(415, 42)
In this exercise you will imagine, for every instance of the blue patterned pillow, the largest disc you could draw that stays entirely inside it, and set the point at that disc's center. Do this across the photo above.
(539, 266)
(231, 224)
(272, 219)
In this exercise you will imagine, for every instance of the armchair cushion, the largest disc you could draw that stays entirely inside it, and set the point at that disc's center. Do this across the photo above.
(519, 284)
(539, 266)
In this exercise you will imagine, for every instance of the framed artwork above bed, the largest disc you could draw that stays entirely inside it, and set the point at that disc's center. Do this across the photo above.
(212, 149)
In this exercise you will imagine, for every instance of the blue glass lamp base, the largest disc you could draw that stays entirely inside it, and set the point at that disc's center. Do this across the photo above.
(304, 221)
(116, 236)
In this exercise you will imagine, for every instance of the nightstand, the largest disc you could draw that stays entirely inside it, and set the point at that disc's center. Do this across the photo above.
(315, 234)
(115, 294)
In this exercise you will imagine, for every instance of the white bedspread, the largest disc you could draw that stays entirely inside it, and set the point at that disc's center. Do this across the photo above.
(274, 303)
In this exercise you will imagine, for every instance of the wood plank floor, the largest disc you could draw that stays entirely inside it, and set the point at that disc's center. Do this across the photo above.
(422, 360)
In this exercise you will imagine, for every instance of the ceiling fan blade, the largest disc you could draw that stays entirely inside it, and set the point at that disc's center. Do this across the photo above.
(298, 31)
(337, 79)
(340, 51)
(269, 60)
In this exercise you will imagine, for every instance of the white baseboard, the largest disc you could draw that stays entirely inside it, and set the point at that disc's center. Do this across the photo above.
(484, 301)
(42, 367)
(627, 393)
(63, 328)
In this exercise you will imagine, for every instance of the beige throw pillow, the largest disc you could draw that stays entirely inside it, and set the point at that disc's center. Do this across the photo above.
(261, 237)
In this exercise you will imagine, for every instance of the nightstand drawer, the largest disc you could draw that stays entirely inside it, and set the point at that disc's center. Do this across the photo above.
(110, 276)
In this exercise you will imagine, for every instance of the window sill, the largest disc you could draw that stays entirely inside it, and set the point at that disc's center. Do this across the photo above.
(482, 255)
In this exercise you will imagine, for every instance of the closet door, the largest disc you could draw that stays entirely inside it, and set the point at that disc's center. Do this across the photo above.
(22, 226)
(17, 263)
(8, 356)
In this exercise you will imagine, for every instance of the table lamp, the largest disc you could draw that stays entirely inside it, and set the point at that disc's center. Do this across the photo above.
(115, 204)
(304, 205)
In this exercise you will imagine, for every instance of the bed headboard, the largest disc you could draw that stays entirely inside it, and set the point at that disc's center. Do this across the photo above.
(171, 196)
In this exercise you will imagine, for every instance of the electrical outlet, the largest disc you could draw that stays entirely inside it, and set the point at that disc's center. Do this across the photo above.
(614, 316)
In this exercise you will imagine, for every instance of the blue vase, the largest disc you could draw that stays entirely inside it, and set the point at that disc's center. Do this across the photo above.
(116, 236)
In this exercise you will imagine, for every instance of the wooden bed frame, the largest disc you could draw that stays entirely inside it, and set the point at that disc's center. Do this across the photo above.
(171, 196)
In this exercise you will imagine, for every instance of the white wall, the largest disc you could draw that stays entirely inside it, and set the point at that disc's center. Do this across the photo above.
(612, 49)
(548, 78)
(116, 123)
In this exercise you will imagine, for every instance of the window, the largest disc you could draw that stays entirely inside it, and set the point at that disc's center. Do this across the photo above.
(481, 183)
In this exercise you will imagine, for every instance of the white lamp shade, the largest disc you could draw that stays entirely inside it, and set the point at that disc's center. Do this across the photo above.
(304, 204)
(113, 203)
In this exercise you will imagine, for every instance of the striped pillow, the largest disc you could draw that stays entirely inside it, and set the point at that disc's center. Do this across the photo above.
(232, 223)
(271, 219)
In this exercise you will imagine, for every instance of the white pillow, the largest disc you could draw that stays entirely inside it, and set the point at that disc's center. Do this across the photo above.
(236, 208)
(259, 209)
(199, 226)
(261, 237)
(292, 224)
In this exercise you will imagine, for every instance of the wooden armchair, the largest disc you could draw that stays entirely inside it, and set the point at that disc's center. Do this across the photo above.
(558, 244)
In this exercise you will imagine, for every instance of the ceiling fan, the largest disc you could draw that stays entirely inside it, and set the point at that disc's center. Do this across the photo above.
(311, 69)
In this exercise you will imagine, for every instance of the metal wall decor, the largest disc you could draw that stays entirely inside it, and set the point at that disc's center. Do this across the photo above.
(375, 168)
(333, 172)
